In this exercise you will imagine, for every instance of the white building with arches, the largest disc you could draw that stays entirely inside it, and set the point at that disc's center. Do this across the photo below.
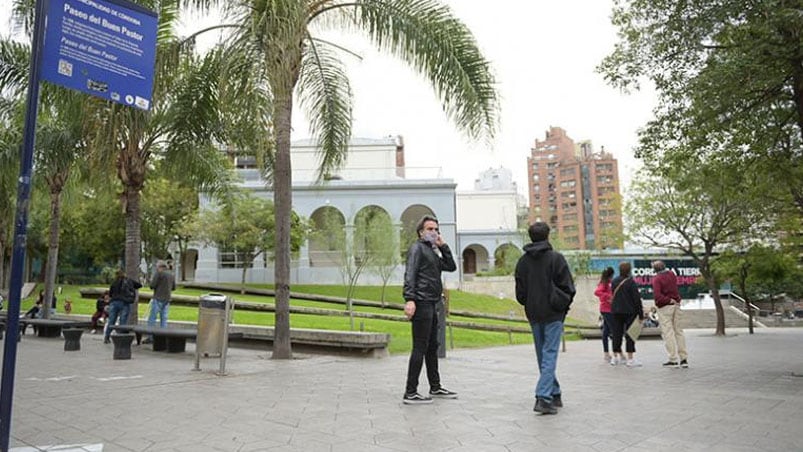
(375, 179)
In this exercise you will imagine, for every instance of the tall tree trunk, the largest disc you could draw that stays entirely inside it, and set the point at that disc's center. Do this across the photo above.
(283, 203)
(242, 279)
(52, 251)
(711, 283)
(133, 241)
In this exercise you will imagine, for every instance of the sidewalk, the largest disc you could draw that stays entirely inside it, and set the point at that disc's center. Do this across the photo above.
(740, 394)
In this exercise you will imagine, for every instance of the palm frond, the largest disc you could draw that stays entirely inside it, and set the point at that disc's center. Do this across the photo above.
(427, 35)
(14, 67)
(325, 94)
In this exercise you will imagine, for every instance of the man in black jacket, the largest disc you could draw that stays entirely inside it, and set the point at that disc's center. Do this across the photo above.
(426, 259)
(545, 288)
(123, 294)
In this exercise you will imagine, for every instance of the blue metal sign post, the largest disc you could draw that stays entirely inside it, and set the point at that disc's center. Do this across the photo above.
(103, 48)
(106, 48)
(20, 232)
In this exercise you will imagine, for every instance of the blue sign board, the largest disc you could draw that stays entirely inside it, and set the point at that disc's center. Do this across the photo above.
(103, 48)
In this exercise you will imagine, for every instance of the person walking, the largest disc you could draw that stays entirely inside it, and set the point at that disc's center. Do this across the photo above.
(545, 288)
(122, 293)
(604, 293)
(667, 300)
(101, 311)
(163, 284)
(427, 258)
(626, 308)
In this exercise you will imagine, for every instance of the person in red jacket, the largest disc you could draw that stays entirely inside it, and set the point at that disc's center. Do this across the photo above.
(604, 293)
(667, 300)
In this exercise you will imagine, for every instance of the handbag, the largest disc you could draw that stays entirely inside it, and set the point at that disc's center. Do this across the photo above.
(634, 330)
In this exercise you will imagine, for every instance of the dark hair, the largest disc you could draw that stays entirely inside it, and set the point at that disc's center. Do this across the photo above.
(607, 274)
(624, 269)
(539, 231)
(420, 226)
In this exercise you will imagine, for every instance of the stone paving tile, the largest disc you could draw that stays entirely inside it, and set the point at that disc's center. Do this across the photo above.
(740, 394)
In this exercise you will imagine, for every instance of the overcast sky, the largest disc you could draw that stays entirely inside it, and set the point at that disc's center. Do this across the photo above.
(543, 54)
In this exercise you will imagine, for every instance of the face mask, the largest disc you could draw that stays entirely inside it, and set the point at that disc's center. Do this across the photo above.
(431, 236)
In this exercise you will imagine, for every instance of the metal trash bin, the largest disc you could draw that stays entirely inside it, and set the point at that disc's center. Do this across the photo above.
(212, 324)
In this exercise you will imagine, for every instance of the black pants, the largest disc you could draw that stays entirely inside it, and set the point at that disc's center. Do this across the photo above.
(425, 347)
(618, 328)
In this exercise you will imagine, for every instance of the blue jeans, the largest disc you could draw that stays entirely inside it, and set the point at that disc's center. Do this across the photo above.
(161, 308)
(546, 337)
(118, 309)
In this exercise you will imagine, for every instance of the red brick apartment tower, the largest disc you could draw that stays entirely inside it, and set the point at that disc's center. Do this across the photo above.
(575, 191)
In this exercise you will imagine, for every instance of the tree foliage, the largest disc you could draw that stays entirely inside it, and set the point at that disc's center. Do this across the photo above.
(699, 208)
(243, 229)
(166, 207)
(727, 73)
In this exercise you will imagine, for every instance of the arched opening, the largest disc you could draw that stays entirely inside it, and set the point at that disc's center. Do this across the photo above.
(409, 220)
(327, 236)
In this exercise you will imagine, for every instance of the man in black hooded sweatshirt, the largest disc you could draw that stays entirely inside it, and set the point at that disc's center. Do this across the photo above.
(545, 288)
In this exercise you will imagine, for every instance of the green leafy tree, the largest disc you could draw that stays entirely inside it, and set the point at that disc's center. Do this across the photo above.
(187, 117)
(386, 257)
(505, 259)
(243, 229)
(698, 207)
(60, 140)
(166, 207)
(726, 72)
(280, 37)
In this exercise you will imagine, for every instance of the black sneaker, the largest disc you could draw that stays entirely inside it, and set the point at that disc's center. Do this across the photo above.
(415, 399)
(544, 407)
(106, 341)
(557, 401)
(670, 364)
(442, 393)
(684, 364)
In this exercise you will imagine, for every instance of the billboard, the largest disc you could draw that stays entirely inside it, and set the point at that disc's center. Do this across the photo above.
(105, 48)
(685, 270)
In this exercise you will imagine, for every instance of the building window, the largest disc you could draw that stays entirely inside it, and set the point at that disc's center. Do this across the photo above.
(568, 183)
(227, 258)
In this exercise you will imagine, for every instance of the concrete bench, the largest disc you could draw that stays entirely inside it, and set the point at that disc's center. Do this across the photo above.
(367, 344)
(51, 327)
(172, 340)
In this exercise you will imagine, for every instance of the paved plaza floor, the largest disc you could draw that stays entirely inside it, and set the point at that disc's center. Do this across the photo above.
(742, 393)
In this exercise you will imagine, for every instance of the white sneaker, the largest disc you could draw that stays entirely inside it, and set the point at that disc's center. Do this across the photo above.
(614, 361)
(633, 363)
(93, 332)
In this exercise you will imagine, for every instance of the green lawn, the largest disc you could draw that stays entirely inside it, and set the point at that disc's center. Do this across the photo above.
(400, 331)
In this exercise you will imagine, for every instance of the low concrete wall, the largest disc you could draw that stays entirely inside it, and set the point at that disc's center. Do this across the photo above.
(585, 307)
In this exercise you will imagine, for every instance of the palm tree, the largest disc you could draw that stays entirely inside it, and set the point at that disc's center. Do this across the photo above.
(59, 138)
(10, 138)
(278, 34)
